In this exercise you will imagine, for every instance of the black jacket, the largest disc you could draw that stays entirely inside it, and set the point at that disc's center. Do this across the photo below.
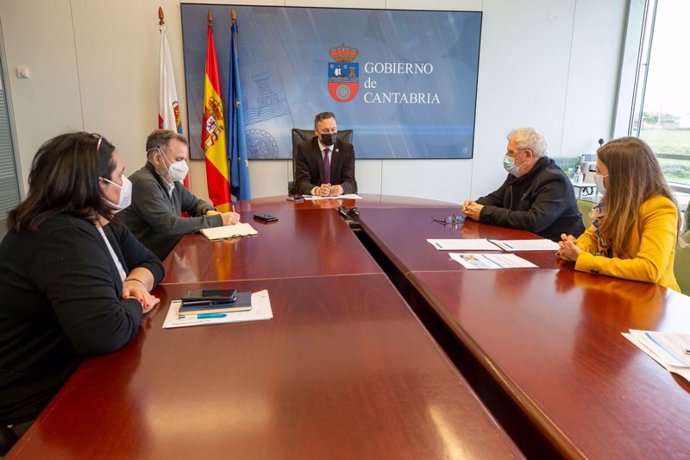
(309, 166)
(542, 201)
(60, 299)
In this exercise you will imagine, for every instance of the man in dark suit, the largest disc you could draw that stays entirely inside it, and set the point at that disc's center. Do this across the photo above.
(325, 165)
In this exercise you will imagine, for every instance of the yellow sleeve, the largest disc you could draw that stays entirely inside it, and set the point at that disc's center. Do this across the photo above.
(588, 240)
(659, 230)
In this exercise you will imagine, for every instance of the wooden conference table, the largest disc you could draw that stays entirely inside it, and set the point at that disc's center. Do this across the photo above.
(550, 338)
(343, 370)
(306, 241)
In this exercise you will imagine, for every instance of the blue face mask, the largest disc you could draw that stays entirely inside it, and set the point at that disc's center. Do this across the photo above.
(509, 164)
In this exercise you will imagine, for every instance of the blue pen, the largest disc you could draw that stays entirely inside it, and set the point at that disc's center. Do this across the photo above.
(210, 315)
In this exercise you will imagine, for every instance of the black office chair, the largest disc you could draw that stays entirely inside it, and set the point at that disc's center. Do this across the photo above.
(7, 439)
(302, 135)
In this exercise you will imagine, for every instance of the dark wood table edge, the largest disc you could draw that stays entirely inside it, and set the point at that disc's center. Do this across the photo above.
(450, 334)
(535, 435)
(200, 282)
(442, 355)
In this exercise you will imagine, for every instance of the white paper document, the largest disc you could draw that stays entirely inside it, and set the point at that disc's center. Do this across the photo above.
(229, 231)
(464, 244)
(526, 245)
(261, 309)
(671, 350)
(347, 196)
(490, 261)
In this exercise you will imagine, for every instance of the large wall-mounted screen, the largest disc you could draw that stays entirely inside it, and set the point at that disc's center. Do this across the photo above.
(404, 81)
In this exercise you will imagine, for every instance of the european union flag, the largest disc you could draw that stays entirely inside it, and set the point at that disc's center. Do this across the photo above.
(237, 138)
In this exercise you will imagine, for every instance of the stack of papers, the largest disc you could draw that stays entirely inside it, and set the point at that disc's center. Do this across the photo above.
(467, 244)
(671, 350)
(475, 261)
(483, 244)
(347, 196)
(228, 231)
(261, 309)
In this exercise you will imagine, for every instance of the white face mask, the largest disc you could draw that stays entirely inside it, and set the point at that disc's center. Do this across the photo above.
(178, 170)
(599, 181)
(125, 193)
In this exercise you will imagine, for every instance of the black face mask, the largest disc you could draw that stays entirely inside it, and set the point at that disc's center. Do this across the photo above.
(327, 139)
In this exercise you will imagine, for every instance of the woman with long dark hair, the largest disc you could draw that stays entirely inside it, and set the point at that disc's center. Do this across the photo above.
(72, 280)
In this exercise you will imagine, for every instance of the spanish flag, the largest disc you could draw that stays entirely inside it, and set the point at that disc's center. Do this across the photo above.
(213, 131)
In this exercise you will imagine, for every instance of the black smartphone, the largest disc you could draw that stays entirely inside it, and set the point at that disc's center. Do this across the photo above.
(210, 295)
(265, 217)
(296, 198)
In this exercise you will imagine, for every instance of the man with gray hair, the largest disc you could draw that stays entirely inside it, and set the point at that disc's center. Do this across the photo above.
(536, 196)
(158, 197)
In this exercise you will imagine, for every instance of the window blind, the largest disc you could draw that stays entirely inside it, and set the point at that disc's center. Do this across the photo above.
(9, 187)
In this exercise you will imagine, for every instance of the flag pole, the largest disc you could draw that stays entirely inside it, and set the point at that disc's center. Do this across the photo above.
(210, 17)
(161, 16)
(237, 143)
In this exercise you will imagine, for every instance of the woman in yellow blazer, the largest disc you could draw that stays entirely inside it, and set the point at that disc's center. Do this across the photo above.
(635, 227)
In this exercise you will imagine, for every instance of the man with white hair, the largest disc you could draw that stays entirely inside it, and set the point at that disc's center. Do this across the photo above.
(536, 196)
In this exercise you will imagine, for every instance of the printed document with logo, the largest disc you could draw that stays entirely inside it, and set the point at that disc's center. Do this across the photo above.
(261, 309)
(671, 350)
(229, 231)
(490, 261)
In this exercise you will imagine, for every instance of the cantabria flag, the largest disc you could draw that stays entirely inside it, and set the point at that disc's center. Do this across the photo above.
(168, 106)
(169, 116)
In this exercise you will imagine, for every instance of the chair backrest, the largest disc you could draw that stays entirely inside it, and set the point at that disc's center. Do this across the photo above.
(302, 135)
(585, 207)
(681, 266)
(7, 439)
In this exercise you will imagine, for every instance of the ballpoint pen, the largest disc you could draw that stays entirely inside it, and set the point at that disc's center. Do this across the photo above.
(204, 315)
(211, 315)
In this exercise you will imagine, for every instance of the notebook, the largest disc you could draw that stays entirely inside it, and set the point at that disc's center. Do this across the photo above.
(229, 231)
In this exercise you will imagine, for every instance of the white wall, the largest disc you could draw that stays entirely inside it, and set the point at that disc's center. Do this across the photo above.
(550, 64)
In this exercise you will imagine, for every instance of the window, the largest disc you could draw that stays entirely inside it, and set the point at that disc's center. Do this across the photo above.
(661, 114)
(9, 187)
